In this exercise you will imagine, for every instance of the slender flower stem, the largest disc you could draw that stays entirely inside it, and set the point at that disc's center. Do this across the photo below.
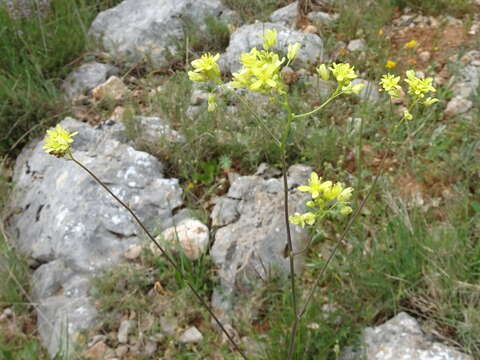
(337, 93)
(291, 255)
(164, 253)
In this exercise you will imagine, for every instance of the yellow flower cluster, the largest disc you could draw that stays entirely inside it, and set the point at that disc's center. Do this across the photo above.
(206, 68)
(418, 87)
(58, 141)
(344, 73)
(328, 198)
(261, 68)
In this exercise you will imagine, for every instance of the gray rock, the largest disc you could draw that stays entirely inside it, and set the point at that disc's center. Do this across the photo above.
(191, 336)
(60, 319)
(125, 329)
(152, 129)
(168, 325)
(458, 105)
(369, 91)
(357, 45)
(64, 220)
(251, 249)
(150, 30)
(225, 212)
(401, 338)
(322, 18)
(86, 78)
(286, 15)
(249, 36)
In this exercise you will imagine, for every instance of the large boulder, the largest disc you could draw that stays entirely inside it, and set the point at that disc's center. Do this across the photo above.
(401, 338)
(151, 30)
(73, 229)
(249, 36)
(251, 240)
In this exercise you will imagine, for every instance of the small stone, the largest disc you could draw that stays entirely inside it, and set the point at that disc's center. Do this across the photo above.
(357, 45)
(191, 336)
(310, 29)
(133, 252)
(192, 235)
(318, 17)
(150, 349)
(126, 328)
(121, 350)
(97, 351)
(112, 89)
(168, 325)
(457, 105)
(7, 313)
(424, 56)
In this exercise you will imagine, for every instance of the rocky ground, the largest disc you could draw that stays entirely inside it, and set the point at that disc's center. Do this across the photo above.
(100, 290)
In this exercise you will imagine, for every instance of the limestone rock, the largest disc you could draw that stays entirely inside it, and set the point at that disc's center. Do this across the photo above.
(65, 221)
(250, 246)
(369, 91)
(249, 36)
(87, 77)
(192, 236)
(112, 89)
(191, 336)
(152, 129)
(357, 45)
(286, 15)
(150, 30)
(458, 105)
(401, 338)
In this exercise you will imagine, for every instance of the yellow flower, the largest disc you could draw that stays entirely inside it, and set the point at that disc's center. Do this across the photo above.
(411, 44)
(389, 83)
(206, 68)
(323, 72)
(292, 50)
(353, 89)
(314, 186)
(333, 191)
(302, 219)
(212, 104)
(407, 116)
(381, 32)
(346, 210)
(430, 101)
(417, 87)
(269, 39)
(344, 73)
(390, 64)
(57, 141)
(346, 194)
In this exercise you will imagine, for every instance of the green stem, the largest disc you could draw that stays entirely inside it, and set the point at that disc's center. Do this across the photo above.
(291, 255)
(164, 253)
(336, 93)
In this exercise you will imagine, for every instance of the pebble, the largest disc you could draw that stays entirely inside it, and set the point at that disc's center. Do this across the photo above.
(457, 105)
(126, 328)
(424, 56)
(112, 89)
(133, 252)
(191, 336)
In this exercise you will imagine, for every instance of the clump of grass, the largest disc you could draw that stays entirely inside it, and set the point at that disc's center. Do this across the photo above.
(35, 53)
(251, 10)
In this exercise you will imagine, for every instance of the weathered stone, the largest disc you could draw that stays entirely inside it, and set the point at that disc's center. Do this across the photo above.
(401, 338)
(87, 77)
(357, 45)
(112, 89)
(369, 91)
(192, 236)
(97, 351)
(152, 129)
(64, 220)
(225, 212)
(125, 329)
(322, 18)
(286, 15)
(458, 105)
(252, 248)
(249, 36)
(191, 336)
(150, 30)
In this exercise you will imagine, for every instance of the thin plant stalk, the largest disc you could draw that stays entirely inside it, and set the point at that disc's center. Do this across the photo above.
(164, 253)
